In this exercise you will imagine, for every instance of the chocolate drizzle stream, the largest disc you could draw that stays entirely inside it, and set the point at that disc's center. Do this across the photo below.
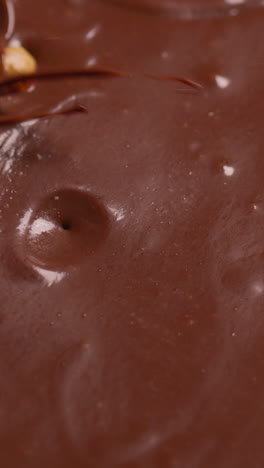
(20, 84)
(7, 24)
(38, 115)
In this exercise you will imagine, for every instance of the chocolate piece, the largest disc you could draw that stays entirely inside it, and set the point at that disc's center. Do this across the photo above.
(131, 324)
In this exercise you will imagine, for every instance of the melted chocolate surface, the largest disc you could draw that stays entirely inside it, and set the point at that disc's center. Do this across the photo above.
(131, 236)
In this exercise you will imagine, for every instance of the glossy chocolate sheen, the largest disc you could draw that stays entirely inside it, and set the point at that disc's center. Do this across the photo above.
(132, 248)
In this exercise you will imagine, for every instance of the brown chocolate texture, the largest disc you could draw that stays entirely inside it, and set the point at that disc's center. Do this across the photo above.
(131, 243)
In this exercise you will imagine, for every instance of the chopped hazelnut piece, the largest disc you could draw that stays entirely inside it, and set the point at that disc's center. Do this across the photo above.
(18, 61)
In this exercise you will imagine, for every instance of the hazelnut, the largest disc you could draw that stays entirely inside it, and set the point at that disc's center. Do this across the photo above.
(18, 61)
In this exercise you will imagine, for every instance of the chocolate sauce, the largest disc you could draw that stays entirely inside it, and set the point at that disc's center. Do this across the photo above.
(131, 236)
